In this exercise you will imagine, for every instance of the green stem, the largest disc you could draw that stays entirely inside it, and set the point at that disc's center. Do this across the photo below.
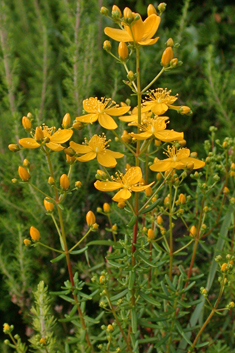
(124, 143)
(132, 82)
(155, 79)
(80, 240)
(113, 233)
(48, 247)
(35, 187)
(171, 234)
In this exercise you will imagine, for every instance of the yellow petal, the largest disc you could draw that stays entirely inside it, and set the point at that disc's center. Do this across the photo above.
(80, 148)
(54, 146)
(106, 159)
(132, 176)
(149, 41)
(159, 108)
(61, 136)
(162, 166)
(169, 135)
(129, 118)
(183, 153)
(115, 154)
(141, 188)
(117, 111)
(151, 25)
(88, 118)
(107, 185)
(118, 34)
(197, 163)
(137, 29)
(122, 195)
(29, 143)
(87, 157)
(142, 136)
(91, 105)
(107, 122)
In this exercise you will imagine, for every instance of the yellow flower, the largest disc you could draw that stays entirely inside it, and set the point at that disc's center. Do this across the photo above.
(127, 183)
(96, 148)
(133, 118)
(101, 111)
(140, 31)
(160, 100)
(177, 160)
(48, 136)
(157, 128)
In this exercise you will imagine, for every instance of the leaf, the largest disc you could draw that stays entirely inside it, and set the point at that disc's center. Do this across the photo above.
(101, 242)
(67, 299)
(133, 321)
(116, 264)
(58, 258)
(76, 252)
(119, 295)
(149, 299)
(150, 208)
(146, 260)
(132, 222)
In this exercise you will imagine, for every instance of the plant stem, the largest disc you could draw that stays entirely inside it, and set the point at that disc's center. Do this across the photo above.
(155, 79)
(171, 235)
(48, 247)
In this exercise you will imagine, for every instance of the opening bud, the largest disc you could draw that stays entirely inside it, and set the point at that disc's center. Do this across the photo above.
(170, 42)
(77, 125)
(182, 142)
(69, 151)
(166, 201)
(106, 207)
(49, 206)
(100, 174)
(151, 234)
(184, 110)
(159, 220)
(64, 182)
(90, 218)
(128, 15)
(102, 279)
(51, 180)
(151, 10)
(123, 51)
(107, 45)
(13, 147)
(27, 125)
(193, 231)
(27, 242)
(66, 121)
(116, 12)
(193, 154)
(167, 56)
(104, 11)
(39, 134)
(26, 163)
(174, 62)
(23, 173)
(148, 191)
(182, 199)
(43, 341)
(14, 181)
(126, 137)
(34, 233)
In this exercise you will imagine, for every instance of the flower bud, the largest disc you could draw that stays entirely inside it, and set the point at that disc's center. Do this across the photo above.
(14, 181)
(167, 56)
(151, 234)
(182, 143)
(49, 206)
(157, 143)
(34, 233)
(106, 207)
(193, 231)
(182, 199)
(226, 190)
(121, 204)
(95, 226)
(23, 173)
(107, 45)
(27, 242)
(102, 279)
(77, 125)
(6, 327)
(126, 137)
(170, 42)
(110, 328)
(39, 134)
(193, 154)
(26, 163)
(224, 267)
(51, 180)
(123, 51)
(27, 125)
(148, 191)
(66, 121)
(70, 159)
(114, 228)
(158, 176)
(161, 7)
(166, 201)
(128, 166)
(69, 151)
(116, 12)
(13, 147)
(29, 115)
(90, 218)
(159, 220)
(42, 341)
(128, 14)
(104, 11)
(151, 10)
(184, 110)
(78, 184)
(233, 166)
(174, 62)
(64, 182)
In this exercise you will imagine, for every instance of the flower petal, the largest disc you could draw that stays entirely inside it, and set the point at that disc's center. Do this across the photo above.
(106, 159)
(61, 136)
(122, 195)
(183, 153)
(141, 188)
(132, 176)
(88, 118)
(115, 154)
(29, 143)
(129, 118)
(117, 111)
(151, 25)
(142, 136)
(162, 166)
(54, 146)
(149, 41)
(87, 157)
(169, 135)
(107, 185)
(159, 108)
(106, 121)
(91, 105)
(197, 163)
(118, 34)
(80, 148)
(137, 29)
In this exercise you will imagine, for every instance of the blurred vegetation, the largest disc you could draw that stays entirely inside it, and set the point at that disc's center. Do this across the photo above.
(51, 58)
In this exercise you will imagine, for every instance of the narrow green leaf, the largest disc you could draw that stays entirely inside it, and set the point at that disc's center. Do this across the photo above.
(116, 264)
(80, 251)
(133, 321)
(67, 299)
(181, 332)
(150, 208)
(58, 258)
(149, 263)
(132, 222)
(61, 292)
(131, 280)
(149, 299)
(101, 242)
(119, 295)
